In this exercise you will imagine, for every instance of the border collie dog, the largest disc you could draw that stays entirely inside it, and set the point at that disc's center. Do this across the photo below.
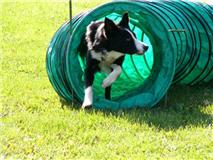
(106, 44)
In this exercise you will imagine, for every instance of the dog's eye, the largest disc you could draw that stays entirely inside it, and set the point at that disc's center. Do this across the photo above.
(128, 39)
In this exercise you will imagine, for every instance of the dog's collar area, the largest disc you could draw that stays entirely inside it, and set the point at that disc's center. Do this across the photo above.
(104, 51)
(101, 50)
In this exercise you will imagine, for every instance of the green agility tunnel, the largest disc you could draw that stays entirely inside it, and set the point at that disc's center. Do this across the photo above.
(180, 38)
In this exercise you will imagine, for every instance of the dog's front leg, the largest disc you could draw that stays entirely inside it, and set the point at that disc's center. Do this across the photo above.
(88, 97)
(108, 92)
(112, 76)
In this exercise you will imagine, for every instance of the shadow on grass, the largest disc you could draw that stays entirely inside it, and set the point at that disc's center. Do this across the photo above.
(184, 106)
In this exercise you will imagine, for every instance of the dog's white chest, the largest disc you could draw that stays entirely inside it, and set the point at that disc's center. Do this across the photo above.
(107, 59)
(111, 57)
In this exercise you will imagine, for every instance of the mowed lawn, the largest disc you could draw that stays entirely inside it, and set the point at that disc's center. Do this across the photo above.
(34, 125)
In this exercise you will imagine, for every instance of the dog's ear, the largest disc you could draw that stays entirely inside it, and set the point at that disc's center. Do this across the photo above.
(124, 21)
(109, 26)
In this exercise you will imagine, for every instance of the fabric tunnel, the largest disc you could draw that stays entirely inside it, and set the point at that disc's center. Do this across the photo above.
(180, 39)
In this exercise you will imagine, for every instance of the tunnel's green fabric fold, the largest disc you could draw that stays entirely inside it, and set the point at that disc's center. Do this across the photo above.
(180, 36)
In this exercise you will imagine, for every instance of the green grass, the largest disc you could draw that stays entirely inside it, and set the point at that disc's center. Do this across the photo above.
(34, 125)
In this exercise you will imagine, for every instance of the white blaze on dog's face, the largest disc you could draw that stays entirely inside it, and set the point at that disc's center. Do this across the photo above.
(141, 47)
(121, 39)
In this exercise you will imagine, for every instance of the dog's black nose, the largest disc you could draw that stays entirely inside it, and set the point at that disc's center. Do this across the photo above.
(145, 48)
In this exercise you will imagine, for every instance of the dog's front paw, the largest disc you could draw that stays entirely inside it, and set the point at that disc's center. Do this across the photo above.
(86, 105)
(106, 83)
(88, 98)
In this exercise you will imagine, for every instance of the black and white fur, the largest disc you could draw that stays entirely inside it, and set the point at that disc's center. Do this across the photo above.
(106, 44)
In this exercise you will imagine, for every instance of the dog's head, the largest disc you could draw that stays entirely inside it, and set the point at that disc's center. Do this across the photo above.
(119, 37)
